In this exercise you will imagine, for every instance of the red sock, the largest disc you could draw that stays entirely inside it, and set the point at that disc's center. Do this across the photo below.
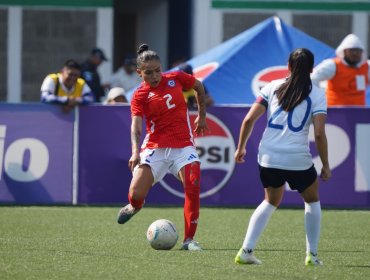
(192, 201)
(136, 203)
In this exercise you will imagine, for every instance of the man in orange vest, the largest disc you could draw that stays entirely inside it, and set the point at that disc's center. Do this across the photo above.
(347, 75)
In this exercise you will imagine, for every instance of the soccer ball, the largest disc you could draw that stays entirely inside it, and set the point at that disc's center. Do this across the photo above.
(162, 235)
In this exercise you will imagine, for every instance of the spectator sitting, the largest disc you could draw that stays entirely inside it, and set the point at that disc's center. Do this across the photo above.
(90, 74)
(126, 76)
(189, 95)
(116, 95)
(66, 87)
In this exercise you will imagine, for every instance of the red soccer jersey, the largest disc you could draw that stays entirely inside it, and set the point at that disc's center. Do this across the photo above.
(165, 111)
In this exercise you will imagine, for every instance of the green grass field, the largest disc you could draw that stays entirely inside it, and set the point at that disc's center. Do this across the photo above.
(86, 243)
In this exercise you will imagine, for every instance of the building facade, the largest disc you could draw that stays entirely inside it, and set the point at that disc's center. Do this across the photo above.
(37, 36)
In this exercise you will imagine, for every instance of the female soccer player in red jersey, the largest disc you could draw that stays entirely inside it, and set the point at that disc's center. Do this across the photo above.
(169, 142)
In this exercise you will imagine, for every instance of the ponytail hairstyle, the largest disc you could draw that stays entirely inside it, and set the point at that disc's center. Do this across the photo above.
(298, 85)
(144, 55)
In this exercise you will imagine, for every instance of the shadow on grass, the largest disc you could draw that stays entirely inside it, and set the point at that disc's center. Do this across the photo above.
(85, 253)
(357, 266)
(237, 249)
(284, 250)
(204, 249)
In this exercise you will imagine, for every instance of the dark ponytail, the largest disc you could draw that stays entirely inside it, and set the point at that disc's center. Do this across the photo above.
(298, 85)
(144, 55)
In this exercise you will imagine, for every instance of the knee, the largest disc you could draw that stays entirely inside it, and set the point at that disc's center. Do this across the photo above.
(274, 202)
(311, 199)
(311, 194)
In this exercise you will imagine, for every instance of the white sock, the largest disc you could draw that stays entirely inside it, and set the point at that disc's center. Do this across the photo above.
(257, 224)
(312, 221)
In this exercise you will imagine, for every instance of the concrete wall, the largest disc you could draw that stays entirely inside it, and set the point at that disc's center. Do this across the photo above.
(329, 27)
(3, 53)
(35, 41)
(207, 26)
(152, 28)
(50, 37)
(235, 23)
(337, 26)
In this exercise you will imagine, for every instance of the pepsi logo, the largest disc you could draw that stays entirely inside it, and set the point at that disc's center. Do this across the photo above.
(267, 75)
(216, 151)
(205, 70)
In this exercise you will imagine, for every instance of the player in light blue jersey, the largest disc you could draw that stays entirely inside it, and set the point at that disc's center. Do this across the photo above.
(291, 105)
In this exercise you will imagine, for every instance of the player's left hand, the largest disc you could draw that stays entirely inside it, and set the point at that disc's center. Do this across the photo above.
(325, 173)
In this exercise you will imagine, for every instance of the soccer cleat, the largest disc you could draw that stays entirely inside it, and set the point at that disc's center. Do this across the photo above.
(245, 257)
(312, 260)
(191, 245)
(126, 213)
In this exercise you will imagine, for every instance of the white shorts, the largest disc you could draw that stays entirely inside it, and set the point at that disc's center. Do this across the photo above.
(171, 160)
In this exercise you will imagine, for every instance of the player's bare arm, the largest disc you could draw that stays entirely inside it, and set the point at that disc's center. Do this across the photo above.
(322, 144)
(200, 122)
(136, 130)
(246, 128)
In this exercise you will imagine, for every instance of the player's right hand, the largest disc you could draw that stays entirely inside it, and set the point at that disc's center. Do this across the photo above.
(133, 161)
(239, 155)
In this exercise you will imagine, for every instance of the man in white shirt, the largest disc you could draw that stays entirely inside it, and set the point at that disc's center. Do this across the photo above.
(126, 76)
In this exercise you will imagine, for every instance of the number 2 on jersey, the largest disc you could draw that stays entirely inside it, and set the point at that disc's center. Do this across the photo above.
(291, 127)
(168, 101)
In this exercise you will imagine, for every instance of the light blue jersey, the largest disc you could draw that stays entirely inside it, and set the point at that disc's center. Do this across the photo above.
(284, 143)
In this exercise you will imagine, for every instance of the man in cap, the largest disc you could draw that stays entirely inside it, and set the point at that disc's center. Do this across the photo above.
(126, 76)
(116, 95)
(347, 75)
(90, 74)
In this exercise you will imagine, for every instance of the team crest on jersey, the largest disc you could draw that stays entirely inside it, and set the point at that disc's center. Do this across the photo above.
(216, 153)
(171, 83)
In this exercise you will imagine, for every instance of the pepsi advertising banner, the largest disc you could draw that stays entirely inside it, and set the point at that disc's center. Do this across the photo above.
(36, 154)
(37, 144)
(105, 149)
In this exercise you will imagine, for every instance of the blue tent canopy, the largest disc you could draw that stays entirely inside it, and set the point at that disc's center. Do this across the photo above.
(234, 70)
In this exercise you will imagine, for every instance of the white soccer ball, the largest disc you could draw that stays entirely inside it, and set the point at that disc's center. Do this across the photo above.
(162, 235)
